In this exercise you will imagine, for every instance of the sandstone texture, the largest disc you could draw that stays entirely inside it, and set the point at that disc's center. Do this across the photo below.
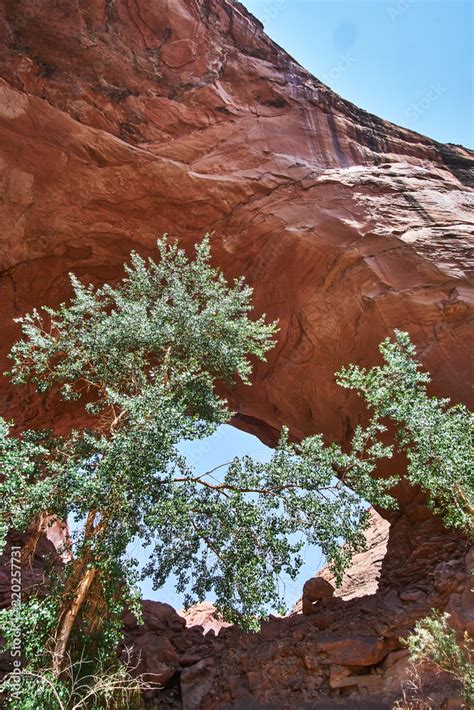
(204, 616)
(120, 121)
(315, 590)
(362, 578)
(347, 653)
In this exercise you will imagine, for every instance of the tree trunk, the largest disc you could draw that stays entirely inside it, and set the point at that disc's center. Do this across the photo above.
(77, 589)
(68, 618)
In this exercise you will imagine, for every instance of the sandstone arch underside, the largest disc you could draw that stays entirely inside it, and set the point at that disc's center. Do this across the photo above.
(120, 121)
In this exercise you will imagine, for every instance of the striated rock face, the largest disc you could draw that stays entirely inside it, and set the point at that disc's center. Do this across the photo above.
(121, 121)
(363, 576)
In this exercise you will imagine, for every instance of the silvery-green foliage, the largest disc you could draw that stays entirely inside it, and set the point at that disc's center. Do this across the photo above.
(144, 358)
(436, 437)
(175, 319)
(434, 640)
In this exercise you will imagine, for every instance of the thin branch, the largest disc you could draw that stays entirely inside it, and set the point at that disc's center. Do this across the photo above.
(223, 487)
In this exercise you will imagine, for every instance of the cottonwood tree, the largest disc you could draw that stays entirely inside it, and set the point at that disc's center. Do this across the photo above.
(143, 359)
(436, 436)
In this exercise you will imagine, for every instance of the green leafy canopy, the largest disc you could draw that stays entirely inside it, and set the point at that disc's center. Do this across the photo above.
(436, 437)
(142, 360)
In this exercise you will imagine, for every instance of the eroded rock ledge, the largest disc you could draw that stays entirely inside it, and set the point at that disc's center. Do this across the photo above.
(349, 648)
(347, 653)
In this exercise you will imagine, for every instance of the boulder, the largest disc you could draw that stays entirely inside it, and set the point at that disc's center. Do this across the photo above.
(152, 656)
(196, 682)
(314, 590)
(352, 650)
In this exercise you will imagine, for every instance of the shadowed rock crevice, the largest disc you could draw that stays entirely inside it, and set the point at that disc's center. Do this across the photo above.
(348, 647)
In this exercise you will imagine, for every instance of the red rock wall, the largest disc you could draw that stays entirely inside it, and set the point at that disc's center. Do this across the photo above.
(348, 648)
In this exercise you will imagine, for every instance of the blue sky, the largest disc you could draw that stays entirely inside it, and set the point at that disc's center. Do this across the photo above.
(408, 61)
